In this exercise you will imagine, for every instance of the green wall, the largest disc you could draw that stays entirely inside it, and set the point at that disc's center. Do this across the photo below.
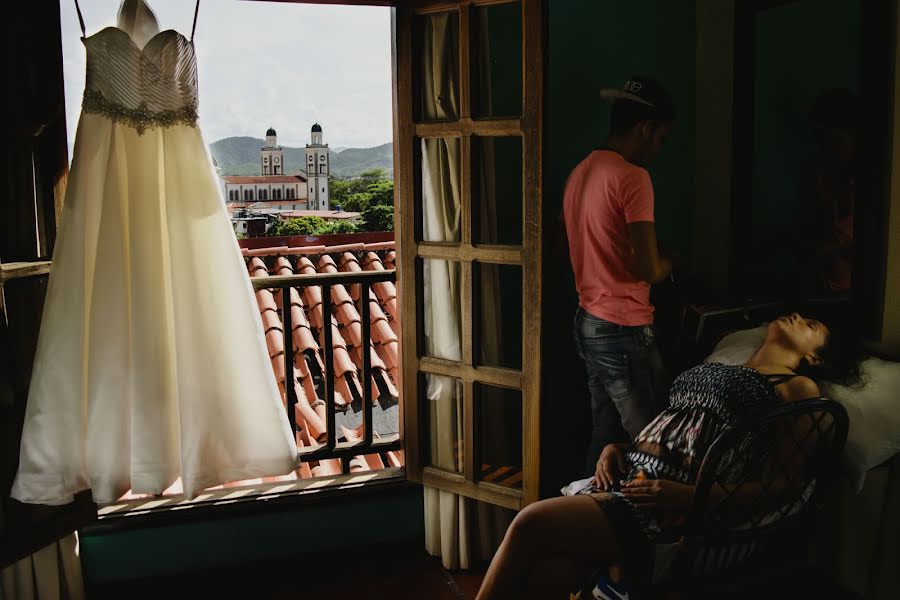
(593, 44)
(340, 526)
(601, 43)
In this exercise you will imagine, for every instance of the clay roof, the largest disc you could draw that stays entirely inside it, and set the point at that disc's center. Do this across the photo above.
(237, 179)
(309, 359)
(308, 336)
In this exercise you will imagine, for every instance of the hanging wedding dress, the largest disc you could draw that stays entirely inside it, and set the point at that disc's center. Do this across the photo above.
(151, 362)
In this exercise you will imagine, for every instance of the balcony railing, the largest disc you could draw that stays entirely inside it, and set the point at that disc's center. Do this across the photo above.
(331, 448)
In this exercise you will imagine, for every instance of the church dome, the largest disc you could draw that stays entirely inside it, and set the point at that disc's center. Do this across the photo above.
(270, 132)
(316, 128)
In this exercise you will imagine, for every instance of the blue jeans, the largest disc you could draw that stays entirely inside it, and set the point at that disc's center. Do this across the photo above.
(626, 378)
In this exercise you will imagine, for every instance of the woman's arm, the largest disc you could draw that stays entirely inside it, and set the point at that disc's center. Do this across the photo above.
(796, 441)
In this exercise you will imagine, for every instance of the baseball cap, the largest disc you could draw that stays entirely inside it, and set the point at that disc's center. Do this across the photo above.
(646, 91)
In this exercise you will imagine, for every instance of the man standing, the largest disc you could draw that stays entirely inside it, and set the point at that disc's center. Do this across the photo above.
(608, 214)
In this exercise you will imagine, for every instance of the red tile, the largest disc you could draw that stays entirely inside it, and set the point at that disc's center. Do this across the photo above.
(308, 337)
(331, 466)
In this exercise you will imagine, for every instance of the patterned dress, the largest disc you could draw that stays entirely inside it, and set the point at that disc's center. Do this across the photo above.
(705, 401)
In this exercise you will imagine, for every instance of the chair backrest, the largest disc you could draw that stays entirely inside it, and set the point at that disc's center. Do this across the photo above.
(736, 513)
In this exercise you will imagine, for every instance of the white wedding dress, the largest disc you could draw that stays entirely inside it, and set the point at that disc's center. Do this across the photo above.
(151, 362)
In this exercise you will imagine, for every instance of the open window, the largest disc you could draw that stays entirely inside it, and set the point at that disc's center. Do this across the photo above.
(468, 155)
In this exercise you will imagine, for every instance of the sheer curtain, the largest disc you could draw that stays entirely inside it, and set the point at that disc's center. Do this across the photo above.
(446, 514)
(52, 573)
(457, 529)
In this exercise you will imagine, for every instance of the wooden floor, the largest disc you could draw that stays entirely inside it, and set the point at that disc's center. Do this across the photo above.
(377, 575)
(361, 577)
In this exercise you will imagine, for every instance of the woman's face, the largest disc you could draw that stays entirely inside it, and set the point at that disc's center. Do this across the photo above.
(805, 336)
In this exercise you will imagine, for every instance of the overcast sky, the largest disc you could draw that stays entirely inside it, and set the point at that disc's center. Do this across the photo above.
(267, 64)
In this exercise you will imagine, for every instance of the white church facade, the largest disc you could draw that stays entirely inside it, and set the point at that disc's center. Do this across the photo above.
(278, 190)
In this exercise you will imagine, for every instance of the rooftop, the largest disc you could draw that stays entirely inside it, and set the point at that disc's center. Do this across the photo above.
(244, 179)
(303, 256)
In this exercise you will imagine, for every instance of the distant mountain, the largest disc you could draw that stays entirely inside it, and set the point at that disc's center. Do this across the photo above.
(240, 156)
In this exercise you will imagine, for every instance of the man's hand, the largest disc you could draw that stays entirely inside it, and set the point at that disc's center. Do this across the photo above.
(647, 265)
(610, 465)
(659, 494)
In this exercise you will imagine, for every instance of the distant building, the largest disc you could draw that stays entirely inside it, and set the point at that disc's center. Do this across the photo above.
(249, 225)
(257, 200)
(318, 167)
(271, 185)
(271, 158)
(276, 190)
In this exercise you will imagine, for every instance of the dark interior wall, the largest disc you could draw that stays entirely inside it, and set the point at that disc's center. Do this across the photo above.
(594, 44)
(802, 49)
(601, 43)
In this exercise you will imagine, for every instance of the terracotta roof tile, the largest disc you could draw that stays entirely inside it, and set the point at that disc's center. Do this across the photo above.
(346, 328)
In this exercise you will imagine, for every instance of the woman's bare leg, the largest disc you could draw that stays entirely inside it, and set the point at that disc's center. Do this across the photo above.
(572, 527)
(554, 578)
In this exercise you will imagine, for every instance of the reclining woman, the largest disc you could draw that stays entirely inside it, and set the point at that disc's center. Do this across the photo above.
(643, 491)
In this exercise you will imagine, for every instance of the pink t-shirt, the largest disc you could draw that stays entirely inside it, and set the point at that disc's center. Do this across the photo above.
(603, 194)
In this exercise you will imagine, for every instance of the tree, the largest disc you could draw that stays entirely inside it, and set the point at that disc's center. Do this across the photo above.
(338, 227)
(378, 217)
(370, 176)
(340, 191)
(381, 192)
(357, 202)
(298, 226)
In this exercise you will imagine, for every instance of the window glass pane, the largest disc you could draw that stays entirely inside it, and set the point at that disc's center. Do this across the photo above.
(498, 433)
(443, 401)
(436, 66)
(438, 189)
(497, 190)
(497, 60)
(441, 326)
(498, 315)
(805, 104)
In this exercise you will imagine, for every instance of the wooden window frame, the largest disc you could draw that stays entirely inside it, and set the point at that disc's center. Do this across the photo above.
(467, 251)
(50, 175)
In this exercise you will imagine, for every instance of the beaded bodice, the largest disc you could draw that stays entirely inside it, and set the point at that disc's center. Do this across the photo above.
(140, 76)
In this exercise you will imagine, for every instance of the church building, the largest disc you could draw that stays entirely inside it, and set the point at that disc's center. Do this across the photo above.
(318, 166)
(278, 190)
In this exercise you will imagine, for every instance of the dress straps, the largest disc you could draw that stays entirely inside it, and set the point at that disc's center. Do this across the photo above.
(81, 19)
(196, 12)
(779, 378)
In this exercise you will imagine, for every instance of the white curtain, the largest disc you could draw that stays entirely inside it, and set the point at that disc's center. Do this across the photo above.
(52, 573)
(446, 514)
(457, 529)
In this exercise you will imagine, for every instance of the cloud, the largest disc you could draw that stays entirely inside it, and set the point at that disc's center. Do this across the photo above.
(267, 64)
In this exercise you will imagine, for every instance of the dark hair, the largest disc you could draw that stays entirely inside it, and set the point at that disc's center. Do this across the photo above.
(628, 113)
(841, 356)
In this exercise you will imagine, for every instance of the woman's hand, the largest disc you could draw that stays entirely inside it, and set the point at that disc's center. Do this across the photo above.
(659, 494)
(610, 464)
